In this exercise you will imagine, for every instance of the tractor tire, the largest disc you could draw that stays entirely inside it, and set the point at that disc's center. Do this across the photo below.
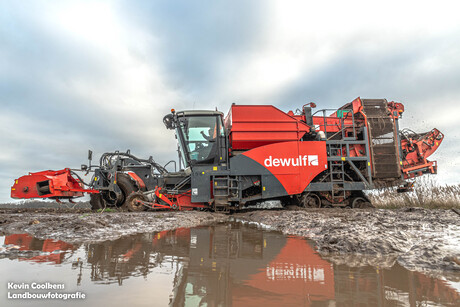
(113, 200)
(96, 202)
(361, 203)
(131, 202)
(310, 200)
(127, 187)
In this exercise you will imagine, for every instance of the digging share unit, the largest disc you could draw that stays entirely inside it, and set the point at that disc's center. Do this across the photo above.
(257, 152)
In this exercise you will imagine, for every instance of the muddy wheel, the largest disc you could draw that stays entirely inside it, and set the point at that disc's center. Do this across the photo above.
(96, 201)
(358, 203)
(132, 202)
(126, 186)
(310, 201)
(111, 199)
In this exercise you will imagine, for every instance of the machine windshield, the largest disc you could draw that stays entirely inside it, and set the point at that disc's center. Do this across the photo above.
(200, 138)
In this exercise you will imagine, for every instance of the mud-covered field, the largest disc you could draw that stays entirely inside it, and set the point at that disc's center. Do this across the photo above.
(87, 226)
(418, 239)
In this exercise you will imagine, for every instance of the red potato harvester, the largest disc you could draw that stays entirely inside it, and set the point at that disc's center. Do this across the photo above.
(255, 153)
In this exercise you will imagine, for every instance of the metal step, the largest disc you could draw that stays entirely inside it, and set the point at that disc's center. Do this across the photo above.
(337, 179)
(225, 188)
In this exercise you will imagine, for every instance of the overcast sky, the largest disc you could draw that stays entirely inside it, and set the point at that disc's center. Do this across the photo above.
(100, 75)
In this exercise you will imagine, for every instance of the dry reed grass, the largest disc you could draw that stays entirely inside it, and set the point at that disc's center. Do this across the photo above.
(426, 194)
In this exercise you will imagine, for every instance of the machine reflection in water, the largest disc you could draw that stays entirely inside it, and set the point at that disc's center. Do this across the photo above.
(35, 250)
(235, 265)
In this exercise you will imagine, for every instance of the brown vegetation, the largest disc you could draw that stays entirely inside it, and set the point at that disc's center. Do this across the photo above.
(426, 194)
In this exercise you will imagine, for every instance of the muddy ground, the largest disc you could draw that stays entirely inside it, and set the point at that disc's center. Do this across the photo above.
(418, 239)
(88, 226)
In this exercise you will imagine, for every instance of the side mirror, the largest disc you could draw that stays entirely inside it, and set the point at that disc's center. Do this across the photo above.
(84, 167)
(90, 155)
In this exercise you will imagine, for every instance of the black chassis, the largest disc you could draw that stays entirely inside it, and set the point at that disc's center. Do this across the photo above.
(115, 164)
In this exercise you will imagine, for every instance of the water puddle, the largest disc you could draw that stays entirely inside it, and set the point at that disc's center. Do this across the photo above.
(222, 265)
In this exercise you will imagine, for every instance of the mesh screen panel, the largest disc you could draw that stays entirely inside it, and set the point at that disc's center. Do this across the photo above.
(382, 135)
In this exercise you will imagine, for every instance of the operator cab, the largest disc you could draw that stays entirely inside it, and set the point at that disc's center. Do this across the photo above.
(201, 136)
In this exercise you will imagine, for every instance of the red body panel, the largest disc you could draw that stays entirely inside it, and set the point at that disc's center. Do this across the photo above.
(309, 159)
(254, 126)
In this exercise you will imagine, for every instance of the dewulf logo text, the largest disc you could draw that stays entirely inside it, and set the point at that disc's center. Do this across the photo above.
(306, 160)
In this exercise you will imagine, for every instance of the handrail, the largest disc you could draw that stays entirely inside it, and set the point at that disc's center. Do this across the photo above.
(175, 165)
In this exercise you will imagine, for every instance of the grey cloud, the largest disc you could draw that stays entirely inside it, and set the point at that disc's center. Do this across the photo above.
(393, 74)
(195, 37)
(52, 123)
